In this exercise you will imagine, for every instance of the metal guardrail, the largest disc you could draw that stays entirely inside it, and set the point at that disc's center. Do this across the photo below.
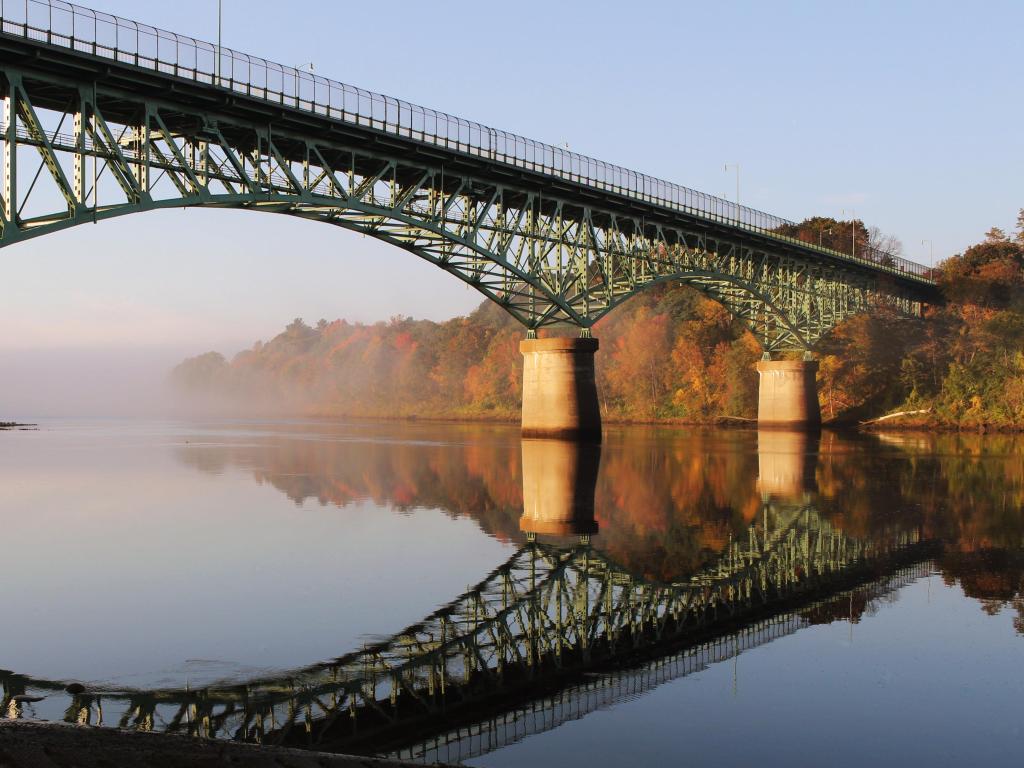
(84, 30)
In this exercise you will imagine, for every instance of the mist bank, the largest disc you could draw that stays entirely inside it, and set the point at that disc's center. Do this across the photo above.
(471, 367)
(87, 382)
(667, 355)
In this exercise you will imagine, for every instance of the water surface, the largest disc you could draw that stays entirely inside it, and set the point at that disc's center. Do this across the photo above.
(452, 592)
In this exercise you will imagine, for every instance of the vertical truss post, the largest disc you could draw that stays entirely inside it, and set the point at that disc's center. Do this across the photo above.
(142, 162)
(10, 189)
(81, 119)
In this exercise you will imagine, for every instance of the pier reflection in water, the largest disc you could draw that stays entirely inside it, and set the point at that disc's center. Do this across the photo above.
(559, 483)
(786, 465)
(634, 568)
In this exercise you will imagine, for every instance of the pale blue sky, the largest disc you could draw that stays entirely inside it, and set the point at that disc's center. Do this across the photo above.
(909, 113)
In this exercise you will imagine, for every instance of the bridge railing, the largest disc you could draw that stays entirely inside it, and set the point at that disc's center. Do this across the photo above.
(81, 29)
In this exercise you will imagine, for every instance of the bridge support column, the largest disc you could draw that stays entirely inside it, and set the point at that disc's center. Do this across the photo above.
(560, 389)
(788, 394)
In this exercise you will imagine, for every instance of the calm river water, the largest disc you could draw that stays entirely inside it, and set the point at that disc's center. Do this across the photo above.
(454, 593)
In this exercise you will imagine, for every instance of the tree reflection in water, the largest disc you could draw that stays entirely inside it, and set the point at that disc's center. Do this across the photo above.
(666, 501)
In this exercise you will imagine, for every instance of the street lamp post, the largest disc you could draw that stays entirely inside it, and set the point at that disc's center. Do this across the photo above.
(853, 231)
(297, 70)
(931, 251)
(822, 231)
(736, 167)
(220, 27)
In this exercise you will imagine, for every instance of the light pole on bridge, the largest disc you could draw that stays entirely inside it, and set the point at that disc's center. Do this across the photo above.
(853, 231)
(220, 25)
(298, 69)
(735, 167)
(931, 251)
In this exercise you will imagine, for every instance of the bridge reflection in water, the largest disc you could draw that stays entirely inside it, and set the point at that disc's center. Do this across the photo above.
(557, 630)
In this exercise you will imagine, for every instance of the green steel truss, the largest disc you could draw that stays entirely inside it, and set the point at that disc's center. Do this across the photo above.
(79, 147)
(545, 615)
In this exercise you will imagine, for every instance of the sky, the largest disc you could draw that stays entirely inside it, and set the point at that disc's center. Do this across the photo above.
(906, 113)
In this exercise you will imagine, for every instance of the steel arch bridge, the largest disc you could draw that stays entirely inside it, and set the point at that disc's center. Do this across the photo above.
(104, 117)
(537, 622)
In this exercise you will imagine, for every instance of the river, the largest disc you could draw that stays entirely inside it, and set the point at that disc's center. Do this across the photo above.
(454, 593)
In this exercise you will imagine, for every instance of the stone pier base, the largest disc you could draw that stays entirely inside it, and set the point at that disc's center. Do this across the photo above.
(559, 389)
(788, 395)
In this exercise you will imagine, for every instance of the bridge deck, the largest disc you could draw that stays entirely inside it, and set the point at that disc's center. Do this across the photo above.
(62, 38)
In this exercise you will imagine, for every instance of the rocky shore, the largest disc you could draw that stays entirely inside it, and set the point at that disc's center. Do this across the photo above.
(50, 745)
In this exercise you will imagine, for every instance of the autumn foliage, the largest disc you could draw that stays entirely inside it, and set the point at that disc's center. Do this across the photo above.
(668, 354)
(963, 362)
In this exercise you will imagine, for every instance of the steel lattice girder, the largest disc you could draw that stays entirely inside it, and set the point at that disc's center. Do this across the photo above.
(542, 256)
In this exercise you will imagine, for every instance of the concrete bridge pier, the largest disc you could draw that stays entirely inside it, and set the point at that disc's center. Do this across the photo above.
(560, 389)
(788, 394)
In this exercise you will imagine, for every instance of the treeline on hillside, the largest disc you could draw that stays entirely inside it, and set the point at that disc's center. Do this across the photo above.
(963, 362)
(667, 354)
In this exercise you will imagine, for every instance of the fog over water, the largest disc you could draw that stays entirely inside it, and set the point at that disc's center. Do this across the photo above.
(88, 382)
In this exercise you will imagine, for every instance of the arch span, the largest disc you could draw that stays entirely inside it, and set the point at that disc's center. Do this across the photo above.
(745, 301)
(95, 146)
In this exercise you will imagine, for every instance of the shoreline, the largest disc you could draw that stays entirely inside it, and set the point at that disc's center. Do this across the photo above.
(718, 422)
(29, 744)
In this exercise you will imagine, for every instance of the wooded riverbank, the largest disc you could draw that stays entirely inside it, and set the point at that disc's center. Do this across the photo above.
(668, 356)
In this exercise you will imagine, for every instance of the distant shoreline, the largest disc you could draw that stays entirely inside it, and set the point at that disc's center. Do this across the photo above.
(719, 422)
(716, 422)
